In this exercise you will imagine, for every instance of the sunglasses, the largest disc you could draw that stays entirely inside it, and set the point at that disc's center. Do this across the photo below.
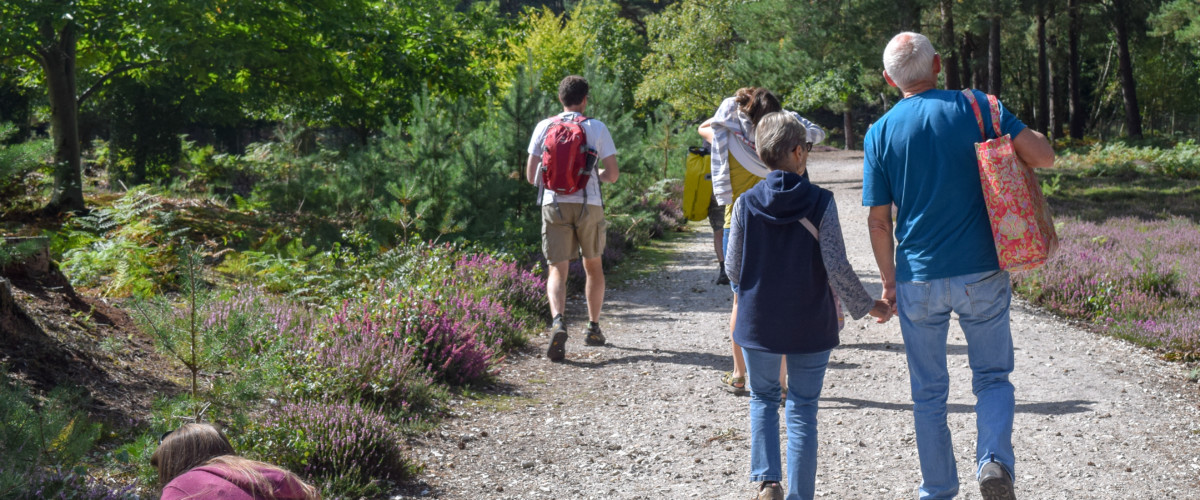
(807, 146)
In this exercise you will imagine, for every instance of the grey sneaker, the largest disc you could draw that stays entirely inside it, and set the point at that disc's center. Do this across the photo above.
(994, 482)
(770, 490)
(594, 337)
(558, 340)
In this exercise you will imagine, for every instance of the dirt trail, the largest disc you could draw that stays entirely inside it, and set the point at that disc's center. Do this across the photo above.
(644, 417)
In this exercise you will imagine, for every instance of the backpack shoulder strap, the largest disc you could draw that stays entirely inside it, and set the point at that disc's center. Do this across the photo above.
(810, 227)
(822, 203)
(978, 115)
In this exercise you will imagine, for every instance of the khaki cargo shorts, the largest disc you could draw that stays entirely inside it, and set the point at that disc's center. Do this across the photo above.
(569, 230)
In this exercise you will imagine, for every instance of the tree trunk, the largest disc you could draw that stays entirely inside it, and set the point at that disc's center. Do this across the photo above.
(981, 63)
(1054, 71)
(1078, 113)
(57, 59)
(1133, 115)
(909, 15)
(966, 52)
(848, 126)
(994, 51)
(950, 61)
(1043, 74)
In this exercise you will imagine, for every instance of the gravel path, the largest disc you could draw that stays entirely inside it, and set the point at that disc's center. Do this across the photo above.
(644, 417)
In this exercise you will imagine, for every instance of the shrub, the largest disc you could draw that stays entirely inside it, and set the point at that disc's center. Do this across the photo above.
(36, 436)
(344, 447)
(456, 343)
(74, 485)
(122, 249)
(1136, 279)
(325, 279)
(17, 163)
(255, 364)
(10, 253)
(655, 213)
(505, 282)
(362, 351)
(201, 330)
(1181, 161)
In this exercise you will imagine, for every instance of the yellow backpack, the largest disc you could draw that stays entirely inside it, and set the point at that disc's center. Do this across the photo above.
(697, 184)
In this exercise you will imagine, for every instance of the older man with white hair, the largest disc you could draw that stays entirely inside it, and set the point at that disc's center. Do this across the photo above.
(920, 156)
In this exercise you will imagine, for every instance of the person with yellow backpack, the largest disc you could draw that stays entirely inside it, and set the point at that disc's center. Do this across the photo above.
(735, 168)
(699, 202)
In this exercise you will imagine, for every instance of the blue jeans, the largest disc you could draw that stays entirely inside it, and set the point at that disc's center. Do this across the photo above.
(806, 373)
(982, 303)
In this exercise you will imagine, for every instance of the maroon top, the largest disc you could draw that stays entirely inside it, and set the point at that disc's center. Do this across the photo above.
(211, 482)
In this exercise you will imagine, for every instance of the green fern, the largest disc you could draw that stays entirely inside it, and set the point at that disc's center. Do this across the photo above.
(121, 248)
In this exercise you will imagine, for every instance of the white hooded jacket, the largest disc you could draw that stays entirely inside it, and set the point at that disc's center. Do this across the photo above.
(733, 132)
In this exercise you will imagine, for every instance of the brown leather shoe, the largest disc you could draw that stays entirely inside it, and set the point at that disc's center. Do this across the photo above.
(770, 490)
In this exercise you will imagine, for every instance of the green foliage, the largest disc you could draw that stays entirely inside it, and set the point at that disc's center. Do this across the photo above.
(611, 43)
(311, 276)
(556, 45)
(1180, 19)
(1115, 159)
(545, 45)
(146, 118)
(1149, 277)
(1052, 186)
(122, 249)
(17, 163)
(133, 458)
(648, 217)
(180, 330)
(439, 175)
(10, 253)
(380, 50)
(692, 43)
(38, 434)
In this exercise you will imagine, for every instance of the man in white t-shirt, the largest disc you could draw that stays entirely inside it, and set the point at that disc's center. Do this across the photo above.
(573, 224)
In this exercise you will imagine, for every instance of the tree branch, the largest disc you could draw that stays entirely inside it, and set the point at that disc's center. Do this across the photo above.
(115, 71)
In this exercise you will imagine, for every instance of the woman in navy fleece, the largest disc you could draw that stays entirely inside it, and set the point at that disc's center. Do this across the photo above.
(785, 253)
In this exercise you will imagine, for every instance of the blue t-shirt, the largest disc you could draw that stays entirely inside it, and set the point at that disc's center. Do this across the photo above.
(921, 156)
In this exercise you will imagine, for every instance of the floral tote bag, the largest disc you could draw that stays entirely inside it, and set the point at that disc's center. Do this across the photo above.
(1021, 224)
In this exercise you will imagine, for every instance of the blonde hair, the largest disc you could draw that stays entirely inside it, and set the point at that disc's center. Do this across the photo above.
(196, 445)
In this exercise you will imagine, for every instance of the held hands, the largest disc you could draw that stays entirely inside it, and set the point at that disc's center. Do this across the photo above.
(882, 312)
(889, 295)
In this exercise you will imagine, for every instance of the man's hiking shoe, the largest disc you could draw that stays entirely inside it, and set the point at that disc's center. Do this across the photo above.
(594, 337)
(994, 483)
(722, 278)
(558, 340)
(770, 490)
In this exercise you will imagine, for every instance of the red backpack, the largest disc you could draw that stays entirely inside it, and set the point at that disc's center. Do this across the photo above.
(565, 166)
